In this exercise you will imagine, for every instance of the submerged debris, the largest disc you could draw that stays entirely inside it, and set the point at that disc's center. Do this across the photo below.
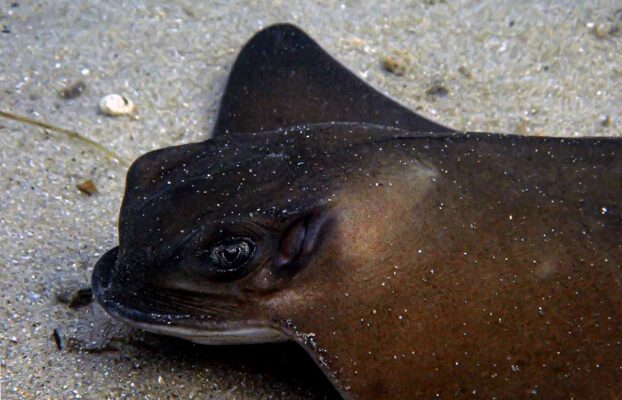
(603, 29)
(72, 91)
(437, 89)
(114, 105)
(612, 26)
(75, 298)
(395, 65)
(87, 187)
(78, 345)
(70, 134)
(57, 339)
(465, 72)
(74, 344)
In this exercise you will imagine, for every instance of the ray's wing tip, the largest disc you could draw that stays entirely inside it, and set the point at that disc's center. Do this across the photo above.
(282, 77)
(280, 37)
(279, 29)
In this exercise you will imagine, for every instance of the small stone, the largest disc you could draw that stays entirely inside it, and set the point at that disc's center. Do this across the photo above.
(72, 91)
(394, 65)
(75, 298)
(87, 187)
(606, 122)
(437, 89)
(114, 105)
(465, 72)
(57, 339)
(189, 11)
(522, 128)
(602, 30)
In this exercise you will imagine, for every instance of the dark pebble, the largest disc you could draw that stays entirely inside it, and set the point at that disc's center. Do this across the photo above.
(72, 91)
(76, 298)
(57, 339)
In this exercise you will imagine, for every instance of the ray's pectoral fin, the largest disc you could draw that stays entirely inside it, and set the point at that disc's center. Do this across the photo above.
(283, 78)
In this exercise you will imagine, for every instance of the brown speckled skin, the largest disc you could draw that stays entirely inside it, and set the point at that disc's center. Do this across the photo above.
(449, 264)
(503, 279)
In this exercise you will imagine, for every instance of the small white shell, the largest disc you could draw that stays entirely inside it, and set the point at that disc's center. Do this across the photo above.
(114, 104)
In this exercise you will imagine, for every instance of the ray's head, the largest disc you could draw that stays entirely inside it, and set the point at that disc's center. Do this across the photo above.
(213, 234)
(218, 238)
(203, 226)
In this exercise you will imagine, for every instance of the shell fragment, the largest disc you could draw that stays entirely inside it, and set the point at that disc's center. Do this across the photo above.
(114, 105)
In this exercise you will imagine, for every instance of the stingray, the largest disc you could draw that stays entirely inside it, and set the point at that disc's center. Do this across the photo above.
(410, 260)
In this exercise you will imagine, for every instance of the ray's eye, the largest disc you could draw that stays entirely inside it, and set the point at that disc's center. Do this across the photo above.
(230, 255)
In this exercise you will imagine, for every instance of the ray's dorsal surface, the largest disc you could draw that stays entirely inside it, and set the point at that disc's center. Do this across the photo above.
(282, 78)
(409, 261)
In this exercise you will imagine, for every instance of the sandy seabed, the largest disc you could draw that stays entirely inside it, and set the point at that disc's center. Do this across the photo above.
(535, 68)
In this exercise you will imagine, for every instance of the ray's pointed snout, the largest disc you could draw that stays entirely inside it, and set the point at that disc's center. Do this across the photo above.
(102, 273)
